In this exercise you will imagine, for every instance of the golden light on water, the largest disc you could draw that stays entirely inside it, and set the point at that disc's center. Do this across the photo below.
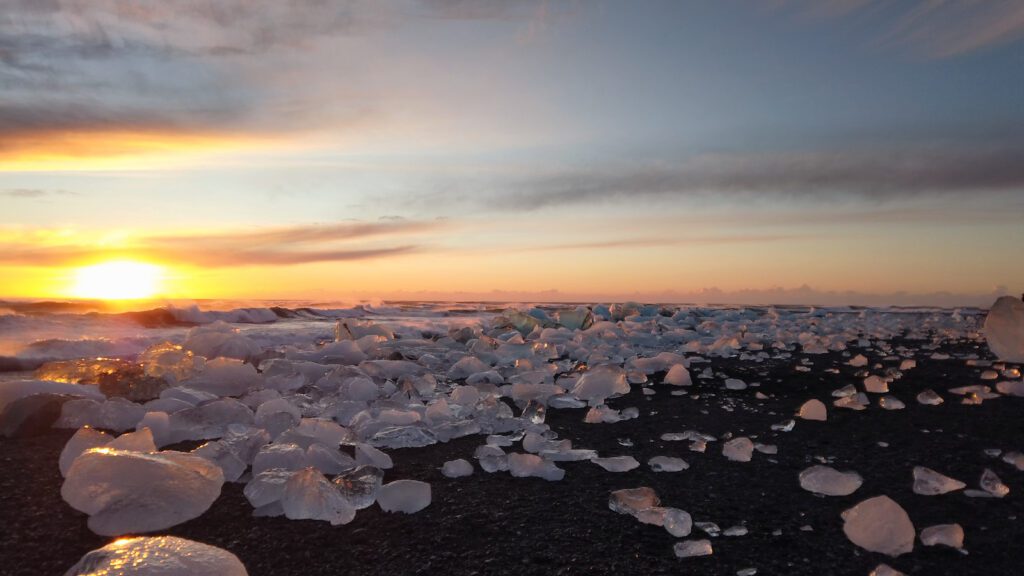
(117, 280)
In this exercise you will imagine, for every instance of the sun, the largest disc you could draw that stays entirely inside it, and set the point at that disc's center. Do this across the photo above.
(117, 280)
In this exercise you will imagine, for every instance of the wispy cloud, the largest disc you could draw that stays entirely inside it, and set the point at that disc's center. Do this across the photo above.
(936, 28)
(275, 246)
(34, 193)
(880, 175)
(657, 242)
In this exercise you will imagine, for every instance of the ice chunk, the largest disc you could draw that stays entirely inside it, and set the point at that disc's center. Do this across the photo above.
(328, 460)
(360, 486)
(309, 496)
(928, 482)
(366, 454)
(1004, 329)
(403, 437)
(158, 556)
(225, 377)
(617, 463)
(813, 409)
(879, 525)
(739, 449)
(667, 464)
(267, 487)
(992, 484)
(409, 496)
(283, 456)
(691, 548)
(457, 468)
(829, 481)
(276, 416)
(140, 441)
(891, 403)
(1011, 388)
(116, 414)
(677, 522)
(735, 384)
(876, 385)
(633, 500)
(125, 491)
(929, 398)
(885, 570)
(951, 535)
(601, 382)
(82, 440)
(525, 465)
(678, 375)
(858, 361)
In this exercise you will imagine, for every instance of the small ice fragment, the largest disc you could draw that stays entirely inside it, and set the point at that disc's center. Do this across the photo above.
(617, 463)
(739, 449)
(879, 525)
(677, 522)
(813, 409)
(691, 548)
(735, 384)
(1015, 459)
(158, 556)
(992, 484)
(951, 535)
(858, 361)
(929, 398)
(786, 426)
(829, 481)
(891, 403)
(409, 496)
(735, 531)
(928, 482)
(709, 528)
(633, 500)
(457, 468)
(526, 465)
(667, 464)
(678, 375)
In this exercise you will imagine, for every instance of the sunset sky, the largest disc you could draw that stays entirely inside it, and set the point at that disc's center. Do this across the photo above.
(835, 151)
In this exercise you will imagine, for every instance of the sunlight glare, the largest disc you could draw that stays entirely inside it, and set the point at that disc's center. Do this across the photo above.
(120, 280)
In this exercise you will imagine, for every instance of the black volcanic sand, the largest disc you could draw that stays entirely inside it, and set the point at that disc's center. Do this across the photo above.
(497, 524)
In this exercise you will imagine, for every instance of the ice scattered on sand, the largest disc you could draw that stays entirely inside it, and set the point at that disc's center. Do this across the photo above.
(951, 535)
(1004, 329)
(813, 409)
(885, 570)
(829, 481)
(526, 465)
(617, 463)
(124, 491)
(879, 525)
(928, 482)
(633, 500)
(739, 449)
(692, 548)
(858, 361)
(667, 464)
(409, 496)
(457, 468)
(891, 403)
(158, 556)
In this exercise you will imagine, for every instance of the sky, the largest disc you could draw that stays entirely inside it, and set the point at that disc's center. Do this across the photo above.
(772, 151)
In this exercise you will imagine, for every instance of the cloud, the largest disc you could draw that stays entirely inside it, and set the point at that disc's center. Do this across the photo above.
(936, 28)
(661, 242)
(275, 246)
(34, 193)
(805, 175)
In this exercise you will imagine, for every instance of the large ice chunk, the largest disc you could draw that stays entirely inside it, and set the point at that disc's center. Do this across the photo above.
(124, 491)
(813, 409)
(633, 500)
(601, 382)
(879, 525)
(829, 481)
(457, 468)
(1004, 329)
(309, 496)
(158, 556)
(409, 496)
(360, 486)
(951, 535)
(83, 440)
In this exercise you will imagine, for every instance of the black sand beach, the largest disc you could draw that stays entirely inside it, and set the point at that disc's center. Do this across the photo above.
(498, 524)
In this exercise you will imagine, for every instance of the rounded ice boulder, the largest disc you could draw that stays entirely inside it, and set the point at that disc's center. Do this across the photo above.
(129, 492)
(158, 556)
(1004, 329)
(880, 525)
